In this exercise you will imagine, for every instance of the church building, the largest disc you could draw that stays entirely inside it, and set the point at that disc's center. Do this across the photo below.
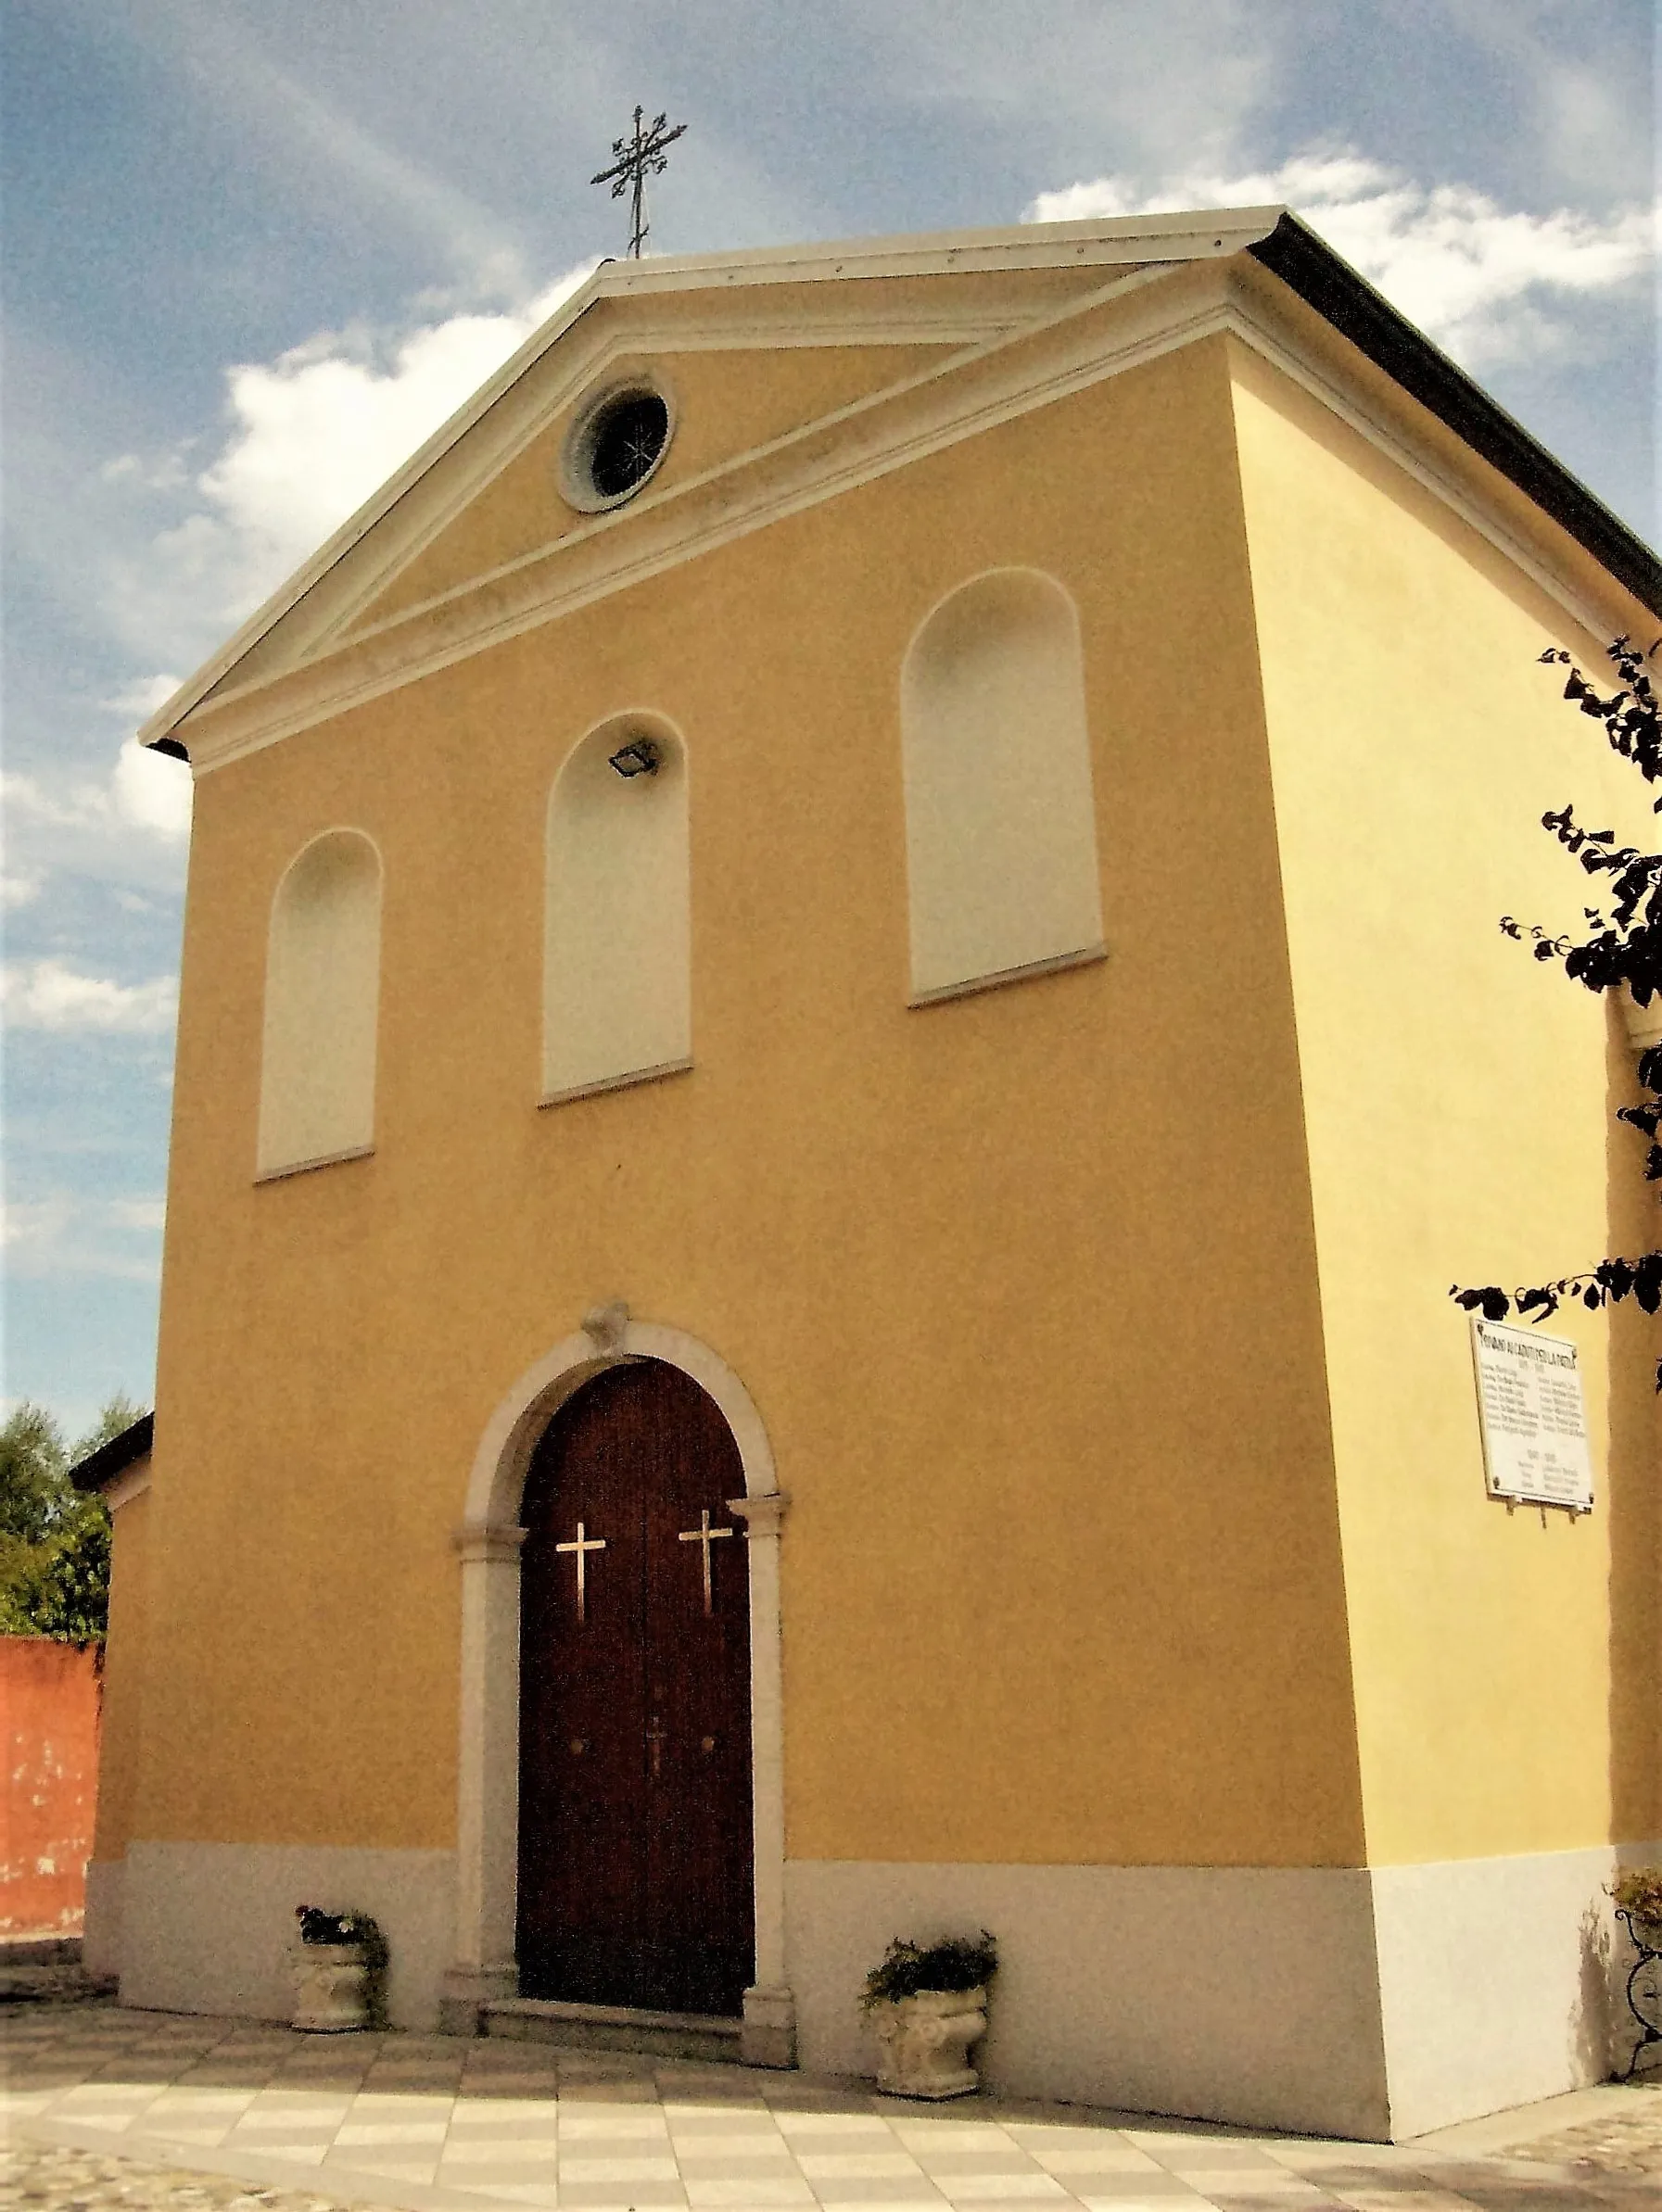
(842, 1023)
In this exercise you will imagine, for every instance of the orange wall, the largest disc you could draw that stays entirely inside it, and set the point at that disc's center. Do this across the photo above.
(49, 1724)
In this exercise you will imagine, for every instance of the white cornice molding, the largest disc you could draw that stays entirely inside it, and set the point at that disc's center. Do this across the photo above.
(1135, 318)
(1096, 242)
(756, 333)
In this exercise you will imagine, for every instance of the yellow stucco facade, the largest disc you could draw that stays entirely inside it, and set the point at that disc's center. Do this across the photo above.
(1098, 1324)
(1006, 1445)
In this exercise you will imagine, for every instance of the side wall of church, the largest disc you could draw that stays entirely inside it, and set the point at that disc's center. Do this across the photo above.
(1459, 1101)
(120, 1728)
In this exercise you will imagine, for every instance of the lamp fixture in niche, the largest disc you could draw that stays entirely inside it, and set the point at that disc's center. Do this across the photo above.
(639, 757)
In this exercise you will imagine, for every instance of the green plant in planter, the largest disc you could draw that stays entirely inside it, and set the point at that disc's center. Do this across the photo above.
(957, 1964)
(318, 1927)
(1638, 1893)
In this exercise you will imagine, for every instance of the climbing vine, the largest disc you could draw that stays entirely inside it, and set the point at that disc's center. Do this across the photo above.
(1622, 950)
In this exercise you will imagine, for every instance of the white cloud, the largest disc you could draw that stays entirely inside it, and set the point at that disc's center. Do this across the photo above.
(64, 1233)
(313, 134)
(35, 1227)
(152, 789)
(146, 1214)
(47, 994)
(1169, 81)
(1487, 282)
(87, 825)
(129, 835)
(28, 799)
(160, 472)
(137, 701)
(311, 435)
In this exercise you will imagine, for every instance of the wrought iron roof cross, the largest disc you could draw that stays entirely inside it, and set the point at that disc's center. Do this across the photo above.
(639, 158)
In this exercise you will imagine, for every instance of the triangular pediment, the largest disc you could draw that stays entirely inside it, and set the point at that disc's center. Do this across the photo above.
(794, 373)
(747, 366)
(759, 347)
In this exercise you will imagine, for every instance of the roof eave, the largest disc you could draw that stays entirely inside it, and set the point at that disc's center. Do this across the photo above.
(100, 1468)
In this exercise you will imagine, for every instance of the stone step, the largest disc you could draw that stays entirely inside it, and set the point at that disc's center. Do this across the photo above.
(39, 1948)
(44, 1969)
(613, 2027)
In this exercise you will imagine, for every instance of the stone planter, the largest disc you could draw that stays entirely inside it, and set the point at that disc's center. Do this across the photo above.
(923, 2042)
(331, 1993)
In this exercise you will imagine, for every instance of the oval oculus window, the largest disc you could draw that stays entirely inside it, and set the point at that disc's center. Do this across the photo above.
(615, 447)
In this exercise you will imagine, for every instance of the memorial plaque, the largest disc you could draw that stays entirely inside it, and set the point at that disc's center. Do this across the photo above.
(1533, 1419)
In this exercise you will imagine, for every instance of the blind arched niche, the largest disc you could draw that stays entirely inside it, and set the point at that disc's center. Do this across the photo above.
(317, 1087)
(1000, 825)
(617, 997)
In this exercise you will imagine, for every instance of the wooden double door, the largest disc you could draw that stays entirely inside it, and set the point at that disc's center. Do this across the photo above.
(635, 1841)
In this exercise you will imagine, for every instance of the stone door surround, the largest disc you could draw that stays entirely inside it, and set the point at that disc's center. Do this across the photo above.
(488, 1545)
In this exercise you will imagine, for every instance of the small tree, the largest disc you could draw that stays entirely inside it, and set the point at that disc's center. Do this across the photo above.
(54, 1542)
(1622, 950)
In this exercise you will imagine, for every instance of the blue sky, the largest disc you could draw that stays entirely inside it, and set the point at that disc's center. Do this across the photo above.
(254, 254)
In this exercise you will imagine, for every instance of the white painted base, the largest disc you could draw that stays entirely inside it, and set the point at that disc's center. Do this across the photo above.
(1500, 1981)
(1258, 1995)
(101, 1929)
(1375, 2003)
(208, 1927)
(1237, 1993)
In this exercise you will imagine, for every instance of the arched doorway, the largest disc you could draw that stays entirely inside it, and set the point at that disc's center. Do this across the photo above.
(636, 1881)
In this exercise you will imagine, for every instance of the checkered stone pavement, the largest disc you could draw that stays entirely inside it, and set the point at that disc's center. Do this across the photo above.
(103, 2108)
